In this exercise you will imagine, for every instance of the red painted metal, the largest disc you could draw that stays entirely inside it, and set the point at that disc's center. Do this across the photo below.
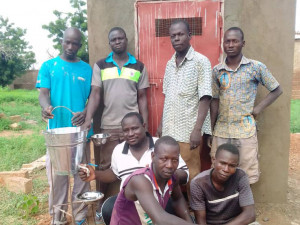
(155, 52)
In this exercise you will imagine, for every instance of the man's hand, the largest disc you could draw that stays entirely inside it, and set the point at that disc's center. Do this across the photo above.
(78, 118)
(256, 111)
(195, 138)
(83, 175)
(86, 125)
(47, 112)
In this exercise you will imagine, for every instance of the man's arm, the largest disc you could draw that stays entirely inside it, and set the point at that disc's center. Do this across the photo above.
(195, 138)
(179, 204)
(214, 110)
(181, 176)
(247, 216)
(105, 176)
(268, 100)
(139, 188)
(92, 106)
(142, 103)
(44, 99)
(200, 216)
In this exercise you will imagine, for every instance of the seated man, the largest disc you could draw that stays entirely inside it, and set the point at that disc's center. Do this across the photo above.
(133, 154)
(145, 193)
(222, 195)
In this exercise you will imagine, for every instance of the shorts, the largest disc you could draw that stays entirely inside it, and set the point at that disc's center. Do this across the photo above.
(248, 148)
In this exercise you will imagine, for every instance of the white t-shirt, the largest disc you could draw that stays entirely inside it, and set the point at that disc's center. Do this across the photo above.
(123, 163)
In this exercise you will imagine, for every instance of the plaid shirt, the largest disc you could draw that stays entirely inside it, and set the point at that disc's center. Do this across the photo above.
(237, 90)
(183, 87)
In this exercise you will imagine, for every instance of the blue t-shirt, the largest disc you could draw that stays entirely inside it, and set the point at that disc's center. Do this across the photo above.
(69, 84)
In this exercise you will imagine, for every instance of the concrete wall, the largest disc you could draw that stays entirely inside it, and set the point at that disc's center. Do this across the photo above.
(269, 33)
(104, 15)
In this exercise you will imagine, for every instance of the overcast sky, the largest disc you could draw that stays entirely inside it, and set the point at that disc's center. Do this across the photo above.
(32, 14)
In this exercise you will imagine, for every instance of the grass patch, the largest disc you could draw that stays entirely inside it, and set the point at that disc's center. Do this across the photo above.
(9, 213)
(16, 151)
(295, 118)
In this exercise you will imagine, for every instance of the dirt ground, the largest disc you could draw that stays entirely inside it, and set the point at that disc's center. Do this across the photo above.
(285, 213)
(267, 214)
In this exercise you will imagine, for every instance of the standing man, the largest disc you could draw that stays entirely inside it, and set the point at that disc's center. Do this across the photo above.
(187, 90)
(222, 195)
(123, 80)
(65, 81)
(233, 113)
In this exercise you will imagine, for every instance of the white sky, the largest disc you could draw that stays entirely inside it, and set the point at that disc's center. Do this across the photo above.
(32, 14)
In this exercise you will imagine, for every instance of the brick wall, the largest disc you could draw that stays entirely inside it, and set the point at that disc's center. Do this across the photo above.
(296, 74)
(27, 81)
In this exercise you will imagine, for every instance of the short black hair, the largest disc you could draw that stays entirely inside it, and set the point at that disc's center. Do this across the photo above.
(229, 148)
(132, 114)
(184, 22)
(237, 29)
(117, 28)
(168, 140)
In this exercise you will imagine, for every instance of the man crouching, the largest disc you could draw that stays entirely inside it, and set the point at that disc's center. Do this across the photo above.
(222, 195)
(145, 193)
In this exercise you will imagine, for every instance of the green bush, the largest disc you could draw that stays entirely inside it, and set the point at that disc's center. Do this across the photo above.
(29, 205)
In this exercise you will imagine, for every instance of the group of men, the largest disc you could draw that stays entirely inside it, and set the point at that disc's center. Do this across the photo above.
(151, 171)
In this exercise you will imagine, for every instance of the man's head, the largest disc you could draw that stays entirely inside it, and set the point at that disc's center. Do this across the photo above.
(165, 157)
(233, 41)
(117, 40)
(71, 43)
(180, 35)
(133, 127)
(226, 161)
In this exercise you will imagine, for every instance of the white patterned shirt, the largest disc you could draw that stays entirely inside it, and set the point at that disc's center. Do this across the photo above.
(183, 87)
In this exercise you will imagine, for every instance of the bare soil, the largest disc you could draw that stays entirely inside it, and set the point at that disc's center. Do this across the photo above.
(285, 213)
(11, 133)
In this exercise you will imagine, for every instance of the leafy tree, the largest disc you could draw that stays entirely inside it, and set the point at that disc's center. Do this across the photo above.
(78, 19)
(15, 55)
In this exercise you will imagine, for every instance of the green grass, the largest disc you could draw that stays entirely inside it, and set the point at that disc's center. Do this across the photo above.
(18, 150)
(9, 214)
(295, 118)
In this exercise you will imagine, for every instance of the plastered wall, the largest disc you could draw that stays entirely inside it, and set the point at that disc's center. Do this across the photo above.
(269, 34)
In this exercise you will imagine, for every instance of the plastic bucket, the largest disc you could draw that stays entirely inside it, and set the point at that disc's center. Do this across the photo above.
(66, 148)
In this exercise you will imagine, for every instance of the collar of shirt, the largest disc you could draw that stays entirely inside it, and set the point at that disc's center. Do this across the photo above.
(223, 65)
(189, 56)
(167, 187)
(110, 59)
(151, 144)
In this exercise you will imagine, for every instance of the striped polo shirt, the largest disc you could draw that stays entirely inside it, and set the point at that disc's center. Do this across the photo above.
(120, 87)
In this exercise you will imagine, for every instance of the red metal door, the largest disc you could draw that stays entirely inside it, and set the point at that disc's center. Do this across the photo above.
(154, 47)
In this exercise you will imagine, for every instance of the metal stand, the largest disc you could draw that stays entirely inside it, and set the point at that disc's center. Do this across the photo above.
(71, 202)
